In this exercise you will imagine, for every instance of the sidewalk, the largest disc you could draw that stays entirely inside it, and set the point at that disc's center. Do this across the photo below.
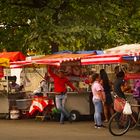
(37, 130)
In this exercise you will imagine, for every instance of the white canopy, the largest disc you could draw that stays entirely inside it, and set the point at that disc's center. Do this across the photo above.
(129, 49)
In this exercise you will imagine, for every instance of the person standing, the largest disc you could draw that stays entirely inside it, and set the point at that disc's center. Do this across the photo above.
(108, 105)
(98, 100)
(120, 85)
(60, 89)
(13, 85)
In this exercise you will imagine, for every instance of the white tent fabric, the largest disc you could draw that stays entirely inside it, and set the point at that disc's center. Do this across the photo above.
(129, 49)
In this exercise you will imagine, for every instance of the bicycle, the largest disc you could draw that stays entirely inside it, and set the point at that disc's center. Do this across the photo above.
(120, 123)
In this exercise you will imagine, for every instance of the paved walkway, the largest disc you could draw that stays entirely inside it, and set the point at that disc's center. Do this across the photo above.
(37, 130)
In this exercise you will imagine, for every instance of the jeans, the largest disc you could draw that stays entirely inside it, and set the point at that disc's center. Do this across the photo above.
(60, 104)
(98, 110)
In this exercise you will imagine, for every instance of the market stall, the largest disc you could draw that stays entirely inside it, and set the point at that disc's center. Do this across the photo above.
(6, 99)
(78, 104)
(126, 57)
(108, 60)
(3, 100)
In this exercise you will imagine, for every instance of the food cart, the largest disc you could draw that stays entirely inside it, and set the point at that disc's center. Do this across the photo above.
(5, 93)
(77, 104)
(126, 57)
(4, 110)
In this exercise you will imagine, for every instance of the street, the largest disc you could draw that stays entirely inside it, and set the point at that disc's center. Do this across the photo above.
(38, 130)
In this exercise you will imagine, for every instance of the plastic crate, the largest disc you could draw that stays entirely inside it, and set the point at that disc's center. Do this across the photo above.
(23, 104)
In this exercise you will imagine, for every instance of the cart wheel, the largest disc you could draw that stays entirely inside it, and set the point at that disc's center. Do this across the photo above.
(75, 115)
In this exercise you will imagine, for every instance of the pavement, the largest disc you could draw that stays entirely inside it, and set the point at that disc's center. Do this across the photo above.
(50, 130)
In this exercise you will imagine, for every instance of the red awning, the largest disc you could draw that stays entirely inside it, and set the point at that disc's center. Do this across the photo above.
(57, 59)
(53, 59)
(12, 56)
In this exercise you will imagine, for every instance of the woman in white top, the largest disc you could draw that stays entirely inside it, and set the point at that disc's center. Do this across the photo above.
(98, 99)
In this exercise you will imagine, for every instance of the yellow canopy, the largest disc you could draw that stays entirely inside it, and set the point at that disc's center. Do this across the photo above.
(4, 62)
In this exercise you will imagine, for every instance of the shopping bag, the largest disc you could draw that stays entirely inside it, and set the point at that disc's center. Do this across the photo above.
(127, 109)
(119, 104)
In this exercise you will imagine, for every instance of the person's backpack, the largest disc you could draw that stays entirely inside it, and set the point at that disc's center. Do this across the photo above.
(136, 91)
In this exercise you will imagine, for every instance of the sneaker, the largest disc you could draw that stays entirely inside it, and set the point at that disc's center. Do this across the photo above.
(95, 126)
(99, 126)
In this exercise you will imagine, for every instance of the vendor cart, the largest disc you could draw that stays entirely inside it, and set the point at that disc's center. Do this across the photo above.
(4, 106)
(5, 59)
(79, 104)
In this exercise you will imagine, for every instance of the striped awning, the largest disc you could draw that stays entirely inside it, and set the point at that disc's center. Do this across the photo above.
(54, 59)
(101, 59)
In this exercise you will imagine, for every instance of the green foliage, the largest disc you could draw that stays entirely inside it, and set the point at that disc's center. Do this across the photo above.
(73, 24)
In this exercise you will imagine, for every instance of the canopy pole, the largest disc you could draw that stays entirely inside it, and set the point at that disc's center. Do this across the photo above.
(7, 81)
(38, 73)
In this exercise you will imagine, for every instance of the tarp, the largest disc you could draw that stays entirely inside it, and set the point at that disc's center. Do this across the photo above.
(127, 49)
(96, 52)
(12, 56)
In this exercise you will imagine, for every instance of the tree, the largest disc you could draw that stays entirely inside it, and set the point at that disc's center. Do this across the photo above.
(73, 24)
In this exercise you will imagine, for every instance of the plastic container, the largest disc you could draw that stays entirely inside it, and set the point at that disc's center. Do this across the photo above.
(14, 113)
(23, 104)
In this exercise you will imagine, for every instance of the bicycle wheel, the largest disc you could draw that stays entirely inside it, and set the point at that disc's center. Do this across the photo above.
(134, 120)
(119, 124)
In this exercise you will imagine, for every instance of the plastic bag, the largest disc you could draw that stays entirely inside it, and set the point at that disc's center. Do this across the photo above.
(127, 109)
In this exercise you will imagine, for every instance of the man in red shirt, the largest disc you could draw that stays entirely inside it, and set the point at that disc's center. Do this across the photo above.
(60, 89)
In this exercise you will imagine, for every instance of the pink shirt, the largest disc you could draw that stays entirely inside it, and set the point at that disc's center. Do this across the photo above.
(96, 87)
